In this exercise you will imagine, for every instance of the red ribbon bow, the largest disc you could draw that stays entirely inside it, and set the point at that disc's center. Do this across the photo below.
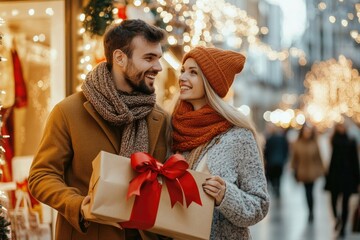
(147, 189)
(23, 186)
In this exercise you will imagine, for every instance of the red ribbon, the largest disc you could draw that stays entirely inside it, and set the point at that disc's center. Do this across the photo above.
(23, 186)
(147, 189)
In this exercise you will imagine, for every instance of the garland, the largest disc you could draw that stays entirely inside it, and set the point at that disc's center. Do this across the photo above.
(98, 15)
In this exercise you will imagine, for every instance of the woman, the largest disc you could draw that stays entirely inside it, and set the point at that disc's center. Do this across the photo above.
(216, 138)
(343, 175)
(307, 164)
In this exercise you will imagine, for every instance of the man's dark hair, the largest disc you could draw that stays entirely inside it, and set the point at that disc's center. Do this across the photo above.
(120, 36)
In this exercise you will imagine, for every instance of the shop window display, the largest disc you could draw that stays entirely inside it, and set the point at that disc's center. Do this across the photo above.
(33, 77)
(5, 230)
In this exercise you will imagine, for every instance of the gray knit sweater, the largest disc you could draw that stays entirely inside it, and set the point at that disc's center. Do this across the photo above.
(235, 158)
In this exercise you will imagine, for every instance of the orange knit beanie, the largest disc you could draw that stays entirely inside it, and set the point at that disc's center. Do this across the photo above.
(219, 66)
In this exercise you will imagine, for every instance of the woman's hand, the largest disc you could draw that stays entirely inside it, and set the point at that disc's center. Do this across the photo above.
(215, 186)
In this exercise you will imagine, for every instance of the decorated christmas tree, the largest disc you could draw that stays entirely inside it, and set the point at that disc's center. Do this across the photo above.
(4, 224)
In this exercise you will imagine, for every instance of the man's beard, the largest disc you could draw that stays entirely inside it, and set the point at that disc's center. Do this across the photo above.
(137, 82)
(139, 86)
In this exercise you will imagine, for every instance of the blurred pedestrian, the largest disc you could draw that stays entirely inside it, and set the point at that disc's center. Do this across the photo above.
(343, 175)
(307, 163)
(276, 155)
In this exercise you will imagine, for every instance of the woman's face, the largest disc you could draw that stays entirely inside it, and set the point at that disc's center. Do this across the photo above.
(191, 84)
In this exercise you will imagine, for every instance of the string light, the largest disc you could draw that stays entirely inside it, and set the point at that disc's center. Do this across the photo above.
(211, 22)
(285, 118)
(204, 23)
(344, 16)
(333, 90)
(322, 6)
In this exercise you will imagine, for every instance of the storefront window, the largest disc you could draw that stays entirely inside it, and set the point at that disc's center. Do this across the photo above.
(34, 74)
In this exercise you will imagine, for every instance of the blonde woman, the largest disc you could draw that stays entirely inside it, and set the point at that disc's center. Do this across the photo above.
(216, 138)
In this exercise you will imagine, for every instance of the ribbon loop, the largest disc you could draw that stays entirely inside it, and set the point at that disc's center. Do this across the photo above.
(147, 190)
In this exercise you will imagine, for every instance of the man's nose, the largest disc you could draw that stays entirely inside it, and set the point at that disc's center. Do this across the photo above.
(157, 66)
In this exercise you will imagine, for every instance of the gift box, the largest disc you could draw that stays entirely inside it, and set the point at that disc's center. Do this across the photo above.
(116, 197)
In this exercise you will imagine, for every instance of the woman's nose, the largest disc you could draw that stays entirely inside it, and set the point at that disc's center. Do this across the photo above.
(182, 77)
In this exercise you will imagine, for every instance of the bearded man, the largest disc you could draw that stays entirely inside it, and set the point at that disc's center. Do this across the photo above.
(115, 112)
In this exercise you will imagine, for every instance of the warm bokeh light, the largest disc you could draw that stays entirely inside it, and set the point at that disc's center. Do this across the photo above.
(332, 91)
(285, 118)
(245, 110)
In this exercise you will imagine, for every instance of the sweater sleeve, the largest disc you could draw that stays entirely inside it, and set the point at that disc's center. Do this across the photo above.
(246, 200)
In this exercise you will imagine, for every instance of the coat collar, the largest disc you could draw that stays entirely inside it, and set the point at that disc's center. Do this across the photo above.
(154, 120)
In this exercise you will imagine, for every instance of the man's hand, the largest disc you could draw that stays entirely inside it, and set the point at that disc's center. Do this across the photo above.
(84, 202)
(82, 222)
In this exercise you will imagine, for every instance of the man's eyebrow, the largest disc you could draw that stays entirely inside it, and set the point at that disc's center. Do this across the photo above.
(152, 55)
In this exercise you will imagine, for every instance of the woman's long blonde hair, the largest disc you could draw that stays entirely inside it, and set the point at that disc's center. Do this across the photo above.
(229, 112)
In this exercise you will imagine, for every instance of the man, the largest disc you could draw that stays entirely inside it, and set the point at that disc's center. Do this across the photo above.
(115, 112)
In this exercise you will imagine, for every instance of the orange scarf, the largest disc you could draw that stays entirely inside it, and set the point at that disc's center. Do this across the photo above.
(194, 128)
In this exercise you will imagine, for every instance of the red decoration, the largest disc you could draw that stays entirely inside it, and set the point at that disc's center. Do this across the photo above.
(23, 186)
(21, 100)
(20, 86)
(7, 143)
(147, 188)
(122, 12)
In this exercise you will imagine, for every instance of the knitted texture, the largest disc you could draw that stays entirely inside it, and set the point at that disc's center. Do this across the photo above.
(194, 128)
(120, 109)
(219, 66)
(234, 156)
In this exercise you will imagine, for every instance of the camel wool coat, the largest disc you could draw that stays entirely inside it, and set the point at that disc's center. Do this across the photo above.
(60, 173)
(306, 161)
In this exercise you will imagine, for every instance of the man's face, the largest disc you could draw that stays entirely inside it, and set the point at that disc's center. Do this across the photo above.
(143, 66)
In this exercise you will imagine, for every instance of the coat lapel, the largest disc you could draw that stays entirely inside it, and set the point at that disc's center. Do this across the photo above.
(155, 121)
(103, 124)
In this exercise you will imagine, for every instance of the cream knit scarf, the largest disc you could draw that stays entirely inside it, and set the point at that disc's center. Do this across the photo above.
(120, 109)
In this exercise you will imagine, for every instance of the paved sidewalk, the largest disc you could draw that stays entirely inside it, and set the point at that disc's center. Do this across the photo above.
(287, 218)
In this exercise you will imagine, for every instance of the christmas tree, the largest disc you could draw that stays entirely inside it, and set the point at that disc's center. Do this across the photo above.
(4, 224)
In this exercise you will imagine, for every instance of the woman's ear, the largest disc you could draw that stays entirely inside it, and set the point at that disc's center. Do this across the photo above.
(119, 58)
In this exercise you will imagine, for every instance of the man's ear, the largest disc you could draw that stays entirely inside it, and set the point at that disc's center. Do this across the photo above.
(119, 58)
